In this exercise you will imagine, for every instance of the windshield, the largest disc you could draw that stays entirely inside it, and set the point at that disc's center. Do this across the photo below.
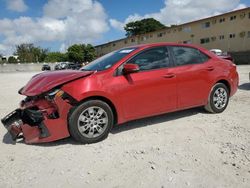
(107, 60)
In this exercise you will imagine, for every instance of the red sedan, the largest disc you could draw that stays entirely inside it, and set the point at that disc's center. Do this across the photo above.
(124, 85)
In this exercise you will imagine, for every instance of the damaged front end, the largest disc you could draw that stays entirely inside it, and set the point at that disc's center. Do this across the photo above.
(43, 114)
(41, 118)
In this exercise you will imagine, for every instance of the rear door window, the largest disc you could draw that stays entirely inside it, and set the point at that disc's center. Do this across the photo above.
(187, 55)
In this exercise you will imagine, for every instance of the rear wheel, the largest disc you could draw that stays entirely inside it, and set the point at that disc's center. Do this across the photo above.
(91, 121)
(218, 98)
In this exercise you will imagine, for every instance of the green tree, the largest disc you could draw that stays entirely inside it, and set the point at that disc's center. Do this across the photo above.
(81, 53)
(39, 54)
(30, 53)
(76, 53)
(143, 26)
(24, 52)
(1, 60)
(12, 59)
(56, 57)
(89, 53)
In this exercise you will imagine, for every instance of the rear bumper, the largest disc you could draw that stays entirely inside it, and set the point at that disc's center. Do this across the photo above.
(34, 127)
(234, 83)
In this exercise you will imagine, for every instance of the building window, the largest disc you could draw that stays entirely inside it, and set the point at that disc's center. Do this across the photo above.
(222, 20)
(232, 36)
(242, 15)
(232, 18)
(159, 34)
(204, 40)
(213, 38)
(242, 34)
(125, 42)
(248, 34)
(221, 37)
(132, 40)
(151, 36)
(205, 25)
(187, 42)
(249, 15)
(114, 44)
(187, 29)
(144, 38)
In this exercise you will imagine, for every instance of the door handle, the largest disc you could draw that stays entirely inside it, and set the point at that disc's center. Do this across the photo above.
(210, 68)
(169, 75)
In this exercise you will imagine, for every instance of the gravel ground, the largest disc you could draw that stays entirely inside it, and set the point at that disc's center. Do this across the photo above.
(190, 148)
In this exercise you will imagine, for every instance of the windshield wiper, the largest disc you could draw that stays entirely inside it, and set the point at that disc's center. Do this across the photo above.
(84, 69)
(89, 70)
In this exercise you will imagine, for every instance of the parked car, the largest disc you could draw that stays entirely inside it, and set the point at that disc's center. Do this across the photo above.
(222, 55)
(61, 66)
(57, 66)
(67, 65)
(74, 66)
(46, 67)
(124, 85)
(64, 65)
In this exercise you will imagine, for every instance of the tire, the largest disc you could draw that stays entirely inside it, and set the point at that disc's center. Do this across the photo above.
(218, 98)
(91, 121)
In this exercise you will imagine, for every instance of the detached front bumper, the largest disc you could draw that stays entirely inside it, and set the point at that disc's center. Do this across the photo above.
(12, 122)
(34, 127)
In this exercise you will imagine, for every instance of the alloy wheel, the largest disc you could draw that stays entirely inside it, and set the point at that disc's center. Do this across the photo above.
(92, 122)
(220, 98)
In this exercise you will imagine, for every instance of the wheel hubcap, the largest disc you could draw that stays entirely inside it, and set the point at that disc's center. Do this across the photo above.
(220, 98)
(92, 122)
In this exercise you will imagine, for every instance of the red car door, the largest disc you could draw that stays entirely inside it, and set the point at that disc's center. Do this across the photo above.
(152, 90)
(194, 74)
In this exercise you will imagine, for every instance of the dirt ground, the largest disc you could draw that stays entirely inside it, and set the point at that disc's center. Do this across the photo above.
(190, 148)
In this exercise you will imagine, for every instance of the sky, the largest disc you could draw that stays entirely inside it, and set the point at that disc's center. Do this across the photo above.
(57, 24)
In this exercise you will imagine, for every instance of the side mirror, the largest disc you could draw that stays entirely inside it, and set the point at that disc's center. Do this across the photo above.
(130, 68)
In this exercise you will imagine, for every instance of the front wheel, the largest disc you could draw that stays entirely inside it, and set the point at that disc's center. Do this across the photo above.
(218, 98)
(91, 121)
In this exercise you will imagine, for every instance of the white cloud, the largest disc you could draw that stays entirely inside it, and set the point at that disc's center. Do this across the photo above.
(181, 11)
(240, 6)
(16, 5)
(66, 21)
(116, 24)
(84, 21)
(2, 48)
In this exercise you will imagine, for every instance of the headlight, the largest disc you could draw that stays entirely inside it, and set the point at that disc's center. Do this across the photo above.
(54, 93)
(59, 93)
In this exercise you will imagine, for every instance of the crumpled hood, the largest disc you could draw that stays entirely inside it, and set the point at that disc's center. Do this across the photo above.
(45, 81)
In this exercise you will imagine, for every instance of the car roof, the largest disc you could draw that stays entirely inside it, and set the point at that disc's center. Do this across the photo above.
(145, 46)
(162, 44)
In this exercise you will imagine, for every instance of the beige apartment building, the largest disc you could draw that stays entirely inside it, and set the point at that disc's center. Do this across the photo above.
(229, 32)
